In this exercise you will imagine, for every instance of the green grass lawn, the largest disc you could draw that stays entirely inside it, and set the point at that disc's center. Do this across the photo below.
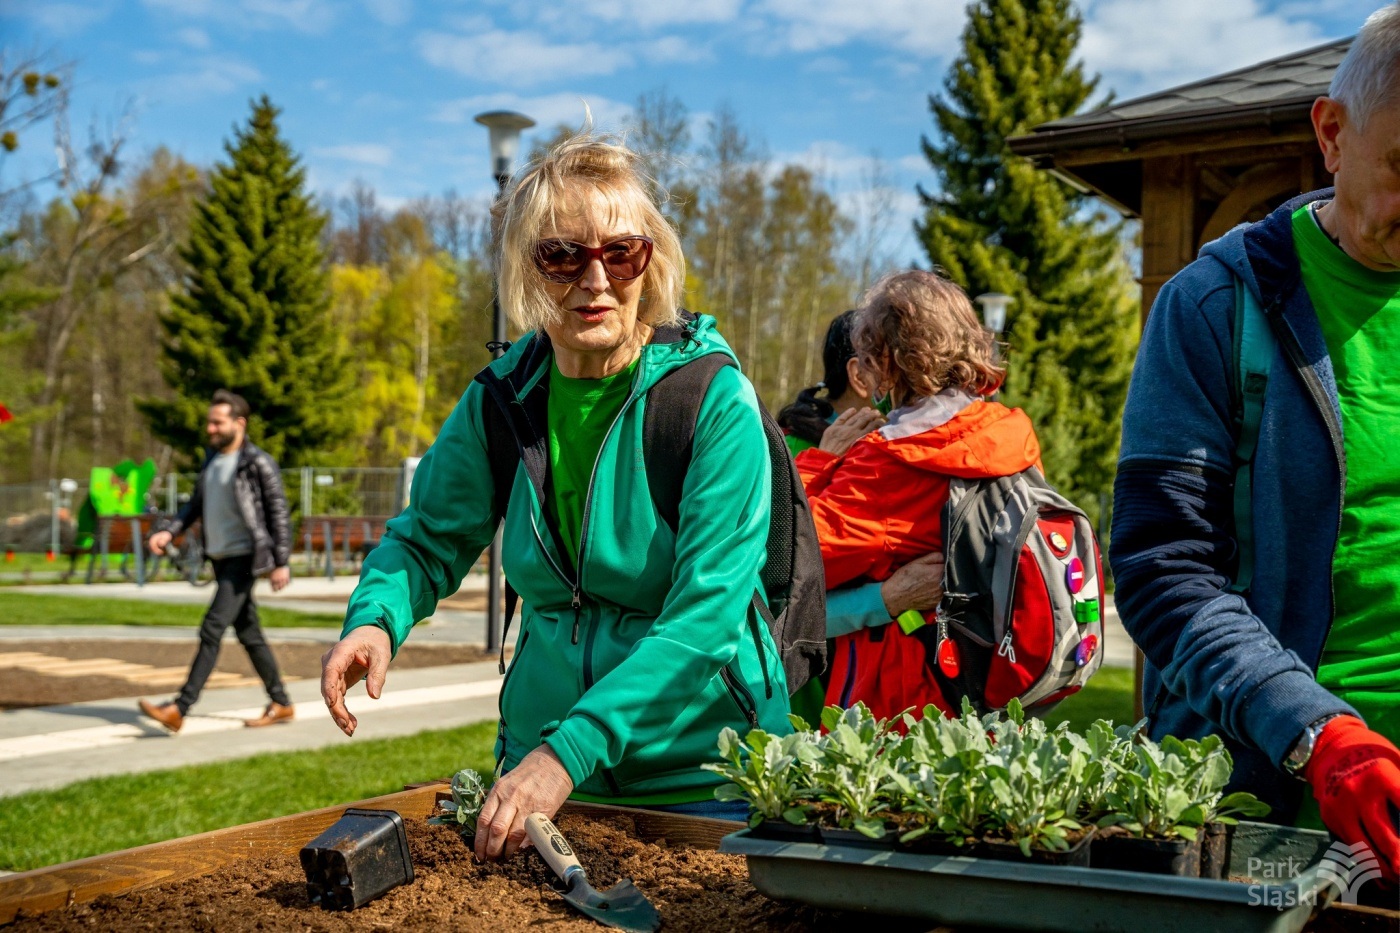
(1107, 695)
(21, 562)
(17, 608)
(106, 814)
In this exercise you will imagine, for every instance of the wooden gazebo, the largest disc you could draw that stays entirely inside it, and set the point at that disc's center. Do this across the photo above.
(1195, 160)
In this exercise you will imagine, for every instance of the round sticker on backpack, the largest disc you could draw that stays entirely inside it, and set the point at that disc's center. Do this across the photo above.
(1074, 575)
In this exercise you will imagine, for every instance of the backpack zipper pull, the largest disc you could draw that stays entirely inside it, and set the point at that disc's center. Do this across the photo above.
(578, 603)
(1005, 650)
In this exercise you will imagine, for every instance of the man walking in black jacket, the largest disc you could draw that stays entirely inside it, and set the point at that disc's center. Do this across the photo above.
(242, 513)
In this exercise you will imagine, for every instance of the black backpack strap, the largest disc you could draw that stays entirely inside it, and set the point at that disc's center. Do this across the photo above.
(668, 429)
(516, 431)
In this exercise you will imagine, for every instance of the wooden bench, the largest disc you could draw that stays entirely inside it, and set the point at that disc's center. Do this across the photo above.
(354, 535)
(124, 536)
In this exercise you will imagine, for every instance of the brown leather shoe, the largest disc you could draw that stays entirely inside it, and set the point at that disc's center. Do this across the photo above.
(275, 712)
(167, 714)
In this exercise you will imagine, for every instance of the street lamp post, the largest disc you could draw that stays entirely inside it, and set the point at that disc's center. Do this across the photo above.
(505, 127)
(994, 310)
(993, 306)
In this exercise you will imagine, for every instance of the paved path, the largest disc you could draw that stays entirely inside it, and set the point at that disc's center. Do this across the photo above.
(312, 594)
(55, 745)
(447, 627)
(52, 746)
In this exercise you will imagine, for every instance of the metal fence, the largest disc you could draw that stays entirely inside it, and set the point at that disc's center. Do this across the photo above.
(40, 517)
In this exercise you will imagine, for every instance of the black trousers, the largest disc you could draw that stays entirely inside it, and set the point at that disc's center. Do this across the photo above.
(233, 604)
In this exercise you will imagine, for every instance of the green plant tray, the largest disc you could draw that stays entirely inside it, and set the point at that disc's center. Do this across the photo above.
(1281, 865)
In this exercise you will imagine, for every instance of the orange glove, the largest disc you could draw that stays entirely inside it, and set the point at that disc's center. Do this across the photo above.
(1355, 776)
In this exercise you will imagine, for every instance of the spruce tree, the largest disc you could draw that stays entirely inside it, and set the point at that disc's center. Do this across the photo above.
(253, 315)
(997, 224)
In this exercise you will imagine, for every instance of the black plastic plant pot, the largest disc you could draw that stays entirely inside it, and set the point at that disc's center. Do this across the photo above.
(1076, 856)
(781, 830)
(932, 845)
(1149, 856)
(1215, 850)
(361, 856)
(855, 840)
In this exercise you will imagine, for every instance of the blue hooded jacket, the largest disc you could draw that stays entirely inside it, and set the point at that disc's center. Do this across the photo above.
(1243, 667)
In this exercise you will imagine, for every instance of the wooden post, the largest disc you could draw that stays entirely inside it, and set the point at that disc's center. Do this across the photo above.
(1168, 222)
(1168, 245)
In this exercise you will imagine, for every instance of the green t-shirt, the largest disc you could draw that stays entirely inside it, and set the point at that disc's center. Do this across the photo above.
(581, 411)
(1359, 310)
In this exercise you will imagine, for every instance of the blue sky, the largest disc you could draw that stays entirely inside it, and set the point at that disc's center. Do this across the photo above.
(384, 90)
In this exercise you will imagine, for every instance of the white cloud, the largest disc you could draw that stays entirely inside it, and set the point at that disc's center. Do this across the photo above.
(308, 16)
(548, 110)
(213, 76)
(674, 50)
(647, 14)
(360, 153)
(925, 27)
(194, 37)
(497, 56)
(1141, 46)
(60, 19)
(390, 12)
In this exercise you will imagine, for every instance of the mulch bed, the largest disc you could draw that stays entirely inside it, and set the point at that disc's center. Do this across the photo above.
(693, 889)
(20, 688)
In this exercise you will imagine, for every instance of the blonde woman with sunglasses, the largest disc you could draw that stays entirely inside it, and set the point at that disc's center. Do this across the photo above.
(636, 644)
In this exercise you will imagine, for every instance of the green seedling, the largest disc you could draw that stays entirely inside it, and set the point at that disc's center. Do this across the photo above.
(461, 812)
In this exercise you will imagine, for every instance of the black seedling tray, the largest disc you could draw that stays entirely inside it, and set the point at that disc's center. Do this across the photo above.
(1280, 865)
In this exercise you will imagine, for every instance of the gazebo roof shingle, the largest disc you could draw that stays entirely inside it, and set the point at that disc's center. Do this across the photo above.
(1281, 89)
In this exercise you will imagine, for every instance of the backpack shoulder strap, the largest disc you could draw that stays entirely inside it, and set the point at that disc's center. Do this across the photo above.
(1253, 358)
(668, 429)
(513, 436)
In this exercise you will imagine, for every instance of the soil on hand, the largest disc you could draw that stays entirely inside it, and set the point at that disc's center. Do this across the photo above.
(692, 889)
(153, 667)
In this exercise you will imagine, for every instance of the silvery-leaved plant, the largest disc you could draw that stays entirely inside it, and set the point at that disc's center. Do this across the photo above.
(1108, 750)
(1174, 788)
(1035, 777)
(768, 772)
(955, 751)
(920, 792)
(461, 812)
(854, 767)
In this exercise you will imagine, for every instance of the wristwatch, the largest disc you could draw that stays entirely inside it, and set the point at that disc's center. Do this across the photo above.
(1302, 752)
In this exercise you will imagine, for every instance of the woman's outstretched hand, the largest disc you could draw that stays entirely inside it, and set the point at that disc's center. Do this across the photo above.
(365, 652)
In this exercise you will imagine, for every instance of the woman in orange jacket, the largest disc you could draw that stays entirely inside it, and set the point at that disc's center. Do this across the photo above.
(877, 490)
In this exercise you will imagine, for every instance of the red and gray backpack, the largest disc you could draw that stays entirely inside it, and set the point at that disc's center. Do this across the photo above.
(1022, 611)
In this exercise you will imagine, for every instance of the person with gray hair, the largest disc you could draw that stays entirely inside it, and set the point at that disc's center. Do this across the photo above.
(1257, 504)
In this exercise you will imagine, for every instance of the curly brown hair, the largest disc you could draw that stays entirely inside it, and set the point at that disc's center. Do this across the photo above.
(918, 332)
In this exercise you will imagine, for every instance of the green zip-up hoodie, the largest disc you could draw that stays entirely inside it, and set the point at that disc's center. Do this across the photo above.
(631, 688)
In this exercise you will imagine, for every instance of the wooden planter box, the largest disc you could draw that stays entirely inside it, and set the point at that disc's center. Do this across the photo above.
(56, 886)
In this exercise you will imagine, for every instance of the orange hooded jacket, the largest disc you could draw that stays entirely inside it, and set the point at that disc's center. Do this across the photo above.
(880, 505)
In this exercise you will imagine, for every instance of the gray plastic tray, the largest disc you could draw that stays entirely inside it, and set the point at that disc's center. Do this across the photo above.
(1282, 865)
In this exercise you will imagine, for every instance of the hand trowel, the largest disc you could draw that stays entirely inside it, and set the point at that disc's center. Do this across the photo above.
(621, 906)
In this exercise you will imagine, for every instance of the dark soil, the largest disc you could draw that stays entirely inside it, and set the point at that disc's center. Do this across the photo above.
(298, 660)
(692, 889)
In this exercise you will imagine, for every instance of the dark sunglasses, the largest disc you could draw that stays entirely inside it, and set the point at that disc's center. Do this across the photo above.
(565, 262)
